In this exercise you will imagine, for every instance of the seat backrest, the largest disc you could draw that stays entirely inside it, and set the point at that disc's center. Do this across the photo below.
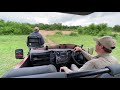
(34, 42)
(114, 72)
(106, 75)
(46, 75)
(30, 71)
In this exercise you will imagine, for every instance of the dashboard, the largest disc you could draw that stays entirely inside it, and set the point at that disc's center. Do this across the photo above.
(56, 57)
(51, 56)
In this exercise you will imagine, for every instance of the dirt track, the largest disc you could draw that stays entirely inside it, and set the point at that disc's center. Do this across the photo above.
(45, 33)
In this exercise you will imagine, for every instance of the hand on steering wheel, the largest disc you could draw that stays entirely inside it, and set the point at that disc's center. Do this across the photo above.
(76, 49)
(74, 56)
(78, 56)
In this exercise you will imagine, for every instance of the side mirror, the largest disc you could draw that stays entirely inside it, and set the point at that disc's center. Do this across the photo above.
(19, 54)
(90, 50)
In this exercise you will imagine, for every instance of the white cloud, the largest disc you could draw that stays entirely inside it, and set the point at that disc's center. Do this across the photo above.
(111, 18)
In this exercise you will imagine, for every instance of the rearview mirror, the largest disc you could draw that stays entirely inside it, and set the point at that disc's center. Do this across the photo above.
(90, 50)
(19, 53)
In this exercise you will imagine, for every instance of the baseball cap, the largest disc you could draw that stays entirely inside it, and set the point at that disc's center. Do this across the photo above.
(107, 41)
(36, 28)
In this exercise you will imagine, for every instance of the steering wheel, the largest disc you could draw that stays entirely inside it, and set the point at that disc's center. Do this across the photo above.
(78, 58)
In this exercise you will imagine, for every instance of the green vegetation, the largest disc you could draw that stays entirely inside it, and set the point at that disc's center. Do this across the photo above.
(116, 28)
(86, 40)
(100, 30)
(73, 34)
(15, 28)
(10, 28)
(8, 44)
(56, 26)
(59, 33)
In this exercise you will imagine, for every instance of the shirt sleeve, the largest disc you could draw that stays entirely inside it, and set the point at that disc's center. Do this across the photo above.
(88, 66)
(87, 55)
(42, 40)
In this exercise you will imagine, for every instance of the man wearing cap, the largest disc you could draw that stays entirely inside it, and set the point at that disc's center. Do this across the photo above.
(104, 47)
(36, 33)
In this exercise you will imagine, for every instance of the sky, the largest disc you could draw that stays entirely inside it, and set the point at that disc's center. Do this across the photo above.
(111, 18)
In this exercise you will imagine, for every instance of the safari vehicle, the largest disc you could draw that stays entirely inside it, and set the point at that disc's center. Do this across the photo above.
(46, 62)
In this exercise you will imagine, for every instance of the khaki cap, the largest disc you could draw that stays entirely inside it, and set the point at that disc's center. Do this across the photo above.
(107, 41)
(36, 28)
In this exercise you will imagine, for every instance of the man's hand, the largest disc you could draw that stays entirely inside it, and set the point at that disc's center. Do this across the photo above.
(65, 69)
(77, 49)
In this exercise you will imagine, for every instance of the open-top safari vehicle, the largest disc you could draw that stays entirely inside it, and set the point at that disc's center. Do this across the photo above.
(45, 62)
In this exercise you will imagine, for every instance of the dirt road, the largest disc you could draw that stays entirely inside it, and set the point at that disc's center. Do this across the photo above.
(50, 42)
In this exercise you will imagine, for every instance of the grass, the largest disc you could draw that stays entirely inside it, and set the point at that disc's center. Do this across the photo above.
(82, 39)
(8, 44)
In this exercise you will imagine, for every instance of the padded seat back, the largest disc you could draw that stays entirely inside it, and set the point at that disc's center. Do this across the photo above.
(34, 42)
(114, 72)
(46, 75)
(30, 71)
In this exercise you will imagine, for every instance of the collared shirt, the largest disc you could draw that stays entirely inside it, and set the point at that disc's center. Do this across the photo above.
(97, 62)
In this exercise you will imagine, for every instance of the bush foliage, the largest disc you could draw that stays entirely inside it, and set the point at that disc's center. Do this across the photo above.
(73, 34)
(9, 27)
(100, 30)
(58, 33)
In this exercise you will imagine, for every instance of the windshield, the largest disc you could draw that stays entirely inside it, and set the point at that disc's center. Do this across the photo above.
(56, 28)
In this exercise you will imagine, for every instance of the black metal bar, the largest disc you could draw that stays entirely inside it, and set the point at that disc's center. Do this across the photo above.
(79, 13)
(87, 73)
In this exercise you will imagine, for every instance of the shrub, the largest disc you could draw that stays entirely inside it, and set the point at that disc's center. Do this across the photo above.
(100, 30)
(73, 34)
(80, 30)
(115, 35)
(58, 33)
(105, 32)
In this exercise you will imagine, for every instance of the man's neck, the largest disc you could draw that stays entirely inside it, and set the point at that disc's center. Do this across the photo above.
(103, 53)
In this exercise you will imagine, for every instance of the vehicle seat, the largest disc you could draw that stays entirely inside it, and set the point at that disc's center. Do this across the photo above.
(46, 75)
(114, 72)
(34, 42)
(30, 71)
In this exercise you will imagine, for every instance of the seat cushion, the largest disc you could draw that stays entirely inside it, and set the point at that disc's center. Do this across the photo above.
(46, 75)
(114, 69)
(106, 75)
(30, 71)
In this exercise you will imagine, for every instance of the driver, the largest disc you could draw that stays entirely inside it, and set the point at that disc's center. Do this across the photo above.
(104, 47)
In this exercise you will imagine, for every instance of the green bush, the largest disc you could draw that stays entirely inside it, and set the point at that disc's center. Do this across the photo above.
(80, 30)
(105, 32)
(58, 33)
(115, 36)
(9, 27)
(94, 30)
(73, 34)
(116, 28)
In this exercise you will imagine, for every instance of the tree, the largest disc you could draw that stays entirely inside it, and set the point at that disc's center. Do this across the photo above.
(116, 28)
